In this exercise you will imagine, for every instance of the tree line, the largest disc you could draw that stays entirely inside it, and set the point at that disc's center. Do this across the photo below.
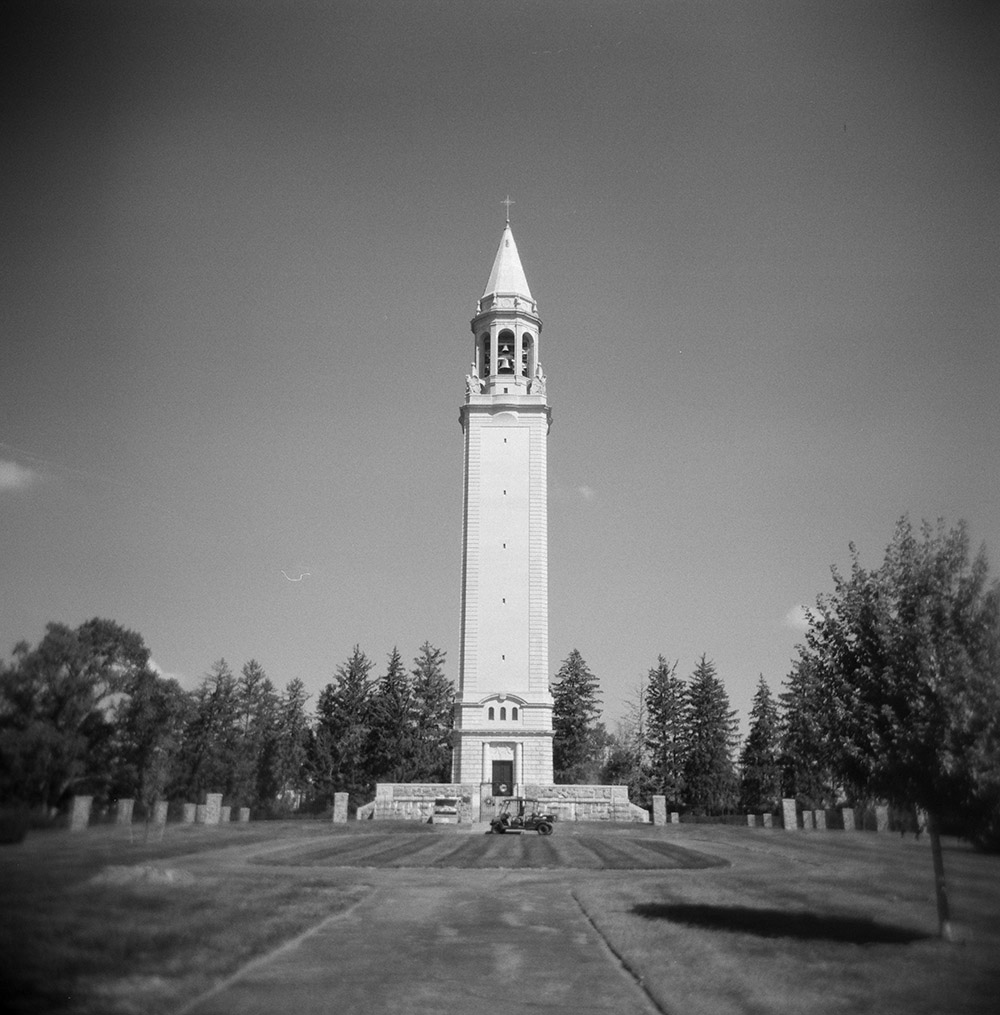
(83, 712)
(894, 696)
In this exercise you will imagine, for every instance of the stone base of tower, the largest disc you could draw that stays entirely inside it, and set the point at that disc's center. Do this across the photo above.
(484, 757)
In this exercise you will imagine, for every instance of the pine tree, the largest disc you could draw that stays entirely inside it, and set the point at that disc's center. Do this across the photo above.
(434, 709)
(256, 703)
(709, 774)
(760, 771)
(808, 753)
(393, 724)
(343, 734)
(207, 759)
(576, 706)
(666, 730)
(287, 753)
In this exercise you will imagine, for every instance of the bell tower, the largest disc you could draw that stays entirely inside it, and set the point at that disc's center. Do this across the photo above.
(503, 715)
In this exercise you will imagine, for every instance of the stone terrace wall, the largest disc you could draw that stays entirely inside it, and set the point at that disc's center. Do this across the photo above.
(587, 803)
(414, 801)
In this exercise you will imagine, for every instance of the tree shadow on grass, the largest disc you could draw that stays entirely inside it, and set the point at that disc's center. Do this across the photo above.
(781, 923)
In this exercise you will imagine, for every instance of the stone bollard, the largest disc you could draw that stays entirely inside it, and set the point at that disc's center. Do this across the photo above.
(789, 819)
(160, 813)
(768, 820)
(820, 817)
(751, 821)
(847, 815)
(881, 818)
(243, 815)
(213, 808)
(79, 815)
(340, 808)
(675, 817)
(123, 811)
(659, 810)
(225, 814)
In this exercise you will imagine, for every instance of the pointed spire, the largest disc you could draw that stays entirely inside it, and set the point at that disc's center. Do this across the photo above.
(507, 277)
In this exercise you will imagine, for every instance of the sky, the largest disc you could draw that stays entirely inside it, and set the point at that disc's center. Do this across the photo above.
(243, 242)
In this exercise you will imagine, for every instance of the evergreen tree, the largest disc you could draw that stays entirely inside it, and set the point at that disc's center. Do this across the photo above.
(256, 704)
(207, 761)
(576, 706)
(434, 710)
(286, 752)
(666, 731)
(808, 754)
(393, 725)
(760, 772)
(709, 775)
(343, 734)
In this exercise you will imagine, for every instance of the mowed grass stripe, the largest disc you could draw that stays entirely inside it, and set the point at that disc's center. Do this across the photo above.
(678, 857)
(344, 853)
(615, 857)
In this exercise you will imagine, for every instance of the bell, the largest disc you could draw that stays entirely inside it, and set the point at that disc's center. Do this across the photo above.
(505, 365)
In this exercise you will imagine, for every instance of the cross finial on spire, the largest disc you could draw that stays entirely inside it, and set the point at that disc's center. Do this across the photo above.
(507, 201)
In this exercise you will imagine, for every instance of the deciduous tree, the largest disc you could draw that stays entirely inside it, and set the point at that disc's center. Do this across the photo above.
(55, 706)
(912, 654)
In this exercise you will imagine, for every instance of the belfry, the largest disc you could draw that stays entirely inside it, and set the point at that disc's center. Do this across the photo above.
(503, 713)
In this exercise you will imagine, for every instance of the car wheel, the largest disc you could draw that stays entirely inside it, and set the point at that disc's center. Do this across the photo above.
(544, 828)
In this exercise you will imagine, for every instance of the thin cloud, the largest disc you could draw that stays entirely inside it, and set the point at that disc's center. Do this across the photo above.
(14, 476)
(797, 620)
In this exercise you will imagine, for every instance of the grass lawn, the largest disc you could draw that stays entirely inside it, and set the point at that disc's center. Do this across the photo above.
(807, 922)
(792, 923)
(96, 923)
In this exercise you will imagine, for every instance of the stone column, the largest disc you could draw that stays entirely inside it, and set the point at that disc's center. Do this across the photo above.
(675, 817)
(160, 813)
(123, 811)
(659, 810)
(340, 808)
(789, 818)
(190, 813)
(213, 808)
(243, 815)
(807, 819)
(881, 818)
(519, 766)
(225, 814)
(847, 814)
(821, 821)
(751, 821)
(487, 773)
(79, 815)
(768, 820)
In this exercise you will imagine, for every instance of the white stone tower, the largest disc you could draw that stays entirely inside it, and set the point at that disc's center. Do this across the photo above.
(503, 716)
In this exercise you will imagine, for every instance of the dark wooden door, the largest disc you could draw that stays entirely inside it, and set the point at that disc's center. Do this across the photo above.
(503, 778)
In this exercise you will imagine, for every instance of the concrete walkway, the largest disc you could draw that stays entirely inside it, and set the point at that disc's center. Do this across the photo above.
(482, 942)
